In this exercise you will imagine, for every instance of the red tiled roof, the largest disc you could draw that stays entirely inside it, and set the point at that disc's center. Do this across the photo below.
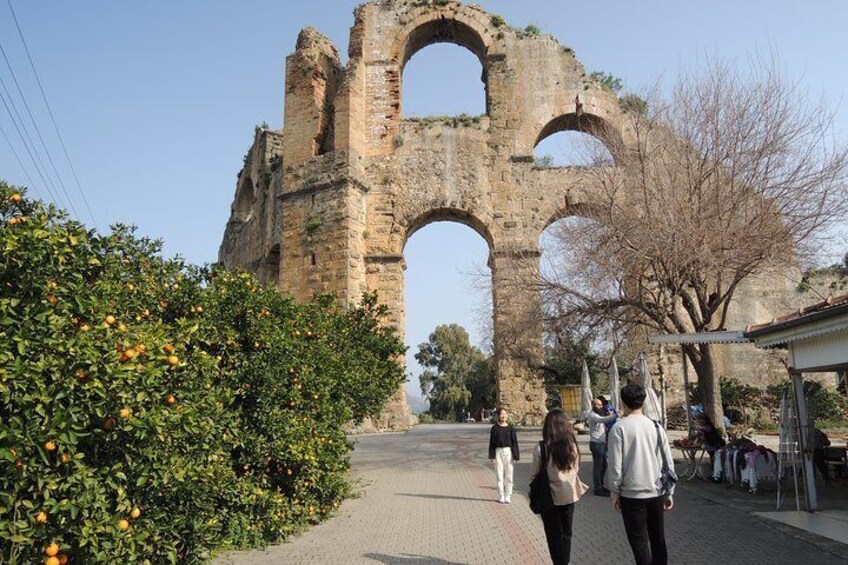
(825, 308)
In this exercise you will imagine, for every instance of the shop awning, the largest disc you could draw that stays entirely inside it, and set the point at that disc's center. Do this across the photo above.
(723, 337)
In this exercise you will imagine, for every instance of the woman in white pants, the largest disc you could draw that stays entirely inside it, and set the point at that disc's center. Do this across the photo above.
(503, 449)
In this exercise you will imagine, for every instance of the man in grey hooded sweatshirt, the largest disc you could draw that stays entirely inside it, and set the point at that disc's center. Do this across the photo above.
(635, 465)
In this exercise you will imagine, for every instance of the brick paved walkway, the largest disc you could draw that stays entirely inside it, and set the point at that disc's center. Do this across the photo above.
(428, 497)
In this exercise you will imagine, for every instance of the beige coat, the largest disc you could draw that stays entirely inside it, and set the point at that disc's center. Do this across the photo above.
(566, 486)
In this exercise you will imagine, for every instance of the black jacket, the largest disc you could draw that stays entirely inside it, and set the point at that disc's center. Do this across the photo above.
(493, 442)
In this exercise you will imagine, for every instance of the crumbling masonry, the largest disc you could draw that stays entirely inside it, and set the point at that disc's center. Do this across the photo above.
(328, 203)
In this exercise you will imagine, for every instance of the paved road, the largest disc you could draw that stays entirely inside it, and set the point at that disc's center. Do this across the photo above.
(429, 497)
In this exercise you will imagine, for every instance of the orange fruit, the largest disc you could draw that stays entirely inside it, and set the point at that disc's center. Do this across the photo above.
(110, 320)
(66, 457)
(52, 549)
(135, 513)
(15, 198)
(82, 373)
(200, 309)
(173, 360)
(168, 348)
(108, 423)
(123, 525)
(140, 348)
(63, 560)
(130, 353)
(171, 399)
(50, 446)
(52, 561)
(84, 327)
(41, 518)
(124, 413)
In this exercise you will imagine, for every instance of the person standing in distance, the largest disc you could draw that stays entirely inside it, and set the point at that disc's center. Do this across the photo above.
(598, 418)
(503, 448)
(634, 477)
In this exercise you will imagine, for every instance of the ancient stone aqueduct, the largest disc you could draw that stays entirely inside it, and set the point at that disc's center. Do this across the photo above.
(328, 203)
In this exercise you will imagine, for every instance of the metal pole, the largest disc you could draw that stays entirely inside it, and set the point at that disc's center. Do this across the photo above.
(803, 443)
(686, 390)
(663, 387)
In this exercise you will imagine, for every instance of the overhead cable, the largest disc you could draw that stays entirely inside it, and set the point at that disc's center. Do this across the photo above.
(23, 168)
(50, 111)
(38, 131)
(34, 158)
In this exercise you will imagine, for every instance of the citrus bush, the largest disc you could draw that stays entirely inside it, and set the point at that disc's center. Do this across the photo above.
(154, 412)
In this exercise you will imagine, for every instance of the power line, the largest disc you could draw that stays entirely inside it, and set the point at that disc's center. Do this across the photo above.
(25, 144)
(24, 169)
(26, 140)
(38, 131)
(50, 111)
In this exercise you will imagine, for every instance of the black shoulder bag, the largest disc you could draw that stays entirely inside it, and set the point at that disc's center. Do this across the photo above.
(668, 478)
(541, 499)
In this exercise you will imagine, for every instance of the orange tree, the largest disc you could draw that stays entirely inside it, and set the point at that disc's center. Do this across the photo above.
(152, 412)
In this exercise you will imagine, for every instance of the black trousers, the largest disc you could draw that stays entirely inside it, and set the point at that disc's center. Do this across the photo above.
(820, 461)
(599, 464)
(558, 533)
(643, 522)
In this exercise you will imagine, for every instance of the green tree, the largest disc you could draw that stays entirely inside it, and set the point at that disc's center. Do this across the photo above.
(608, 81)
(152, 412)
(458, 377)
(565, 351)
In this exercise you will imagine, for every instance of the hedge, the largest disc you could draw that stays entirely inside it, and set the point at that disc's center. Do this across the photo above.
(155, 412)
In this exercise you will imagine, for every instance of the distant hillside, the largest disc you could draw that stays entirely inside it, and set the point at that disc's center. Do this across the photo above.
(417, 405)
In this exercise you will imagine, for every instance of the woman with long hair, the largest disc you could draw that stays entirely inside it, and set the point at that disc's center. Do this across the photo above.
(503, 450)
(559, 453)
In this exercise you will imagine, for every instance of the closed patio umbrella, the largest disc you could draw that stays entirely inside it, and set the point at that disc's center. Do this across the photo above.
(585, 392)
(615, 386)
(651, 408)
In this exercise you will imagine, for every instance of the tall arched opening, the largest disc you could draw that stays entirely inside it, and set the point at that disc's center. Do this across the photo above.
(447, 281)
(570, 269)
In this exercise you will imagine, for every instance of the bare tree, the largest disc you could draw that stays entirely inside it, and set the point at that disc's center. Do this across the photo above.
(733, 173)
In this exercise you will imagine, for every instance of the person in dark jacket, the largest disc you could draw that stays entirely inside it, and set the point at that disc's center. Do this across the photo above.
(503, 449)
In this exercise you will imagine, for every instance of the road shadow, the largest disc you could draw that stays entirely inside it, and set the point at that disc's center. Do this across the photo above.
(444, 497)
(409, 559)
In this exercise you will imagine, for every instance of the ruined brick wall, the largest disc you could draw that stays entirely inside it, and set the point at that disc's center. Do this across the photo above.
(353, 180)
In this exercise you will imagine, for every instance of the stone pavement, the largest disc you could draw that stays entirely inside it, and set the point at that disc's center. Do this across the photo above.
(428, 497)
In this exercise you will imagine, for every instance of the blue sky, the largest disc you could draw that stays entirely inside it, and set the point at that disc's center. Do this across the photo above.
(157, 100)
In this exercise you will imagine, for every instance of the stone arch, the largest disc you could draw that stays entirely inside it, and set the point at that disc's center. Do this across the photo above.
(434, 27)
(245, 199)
(591, 124)
(589, 211)
(447, 214)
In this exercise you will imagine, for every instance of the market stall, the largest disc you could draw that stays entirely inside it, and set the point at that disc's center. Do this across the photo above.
(817, 341)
